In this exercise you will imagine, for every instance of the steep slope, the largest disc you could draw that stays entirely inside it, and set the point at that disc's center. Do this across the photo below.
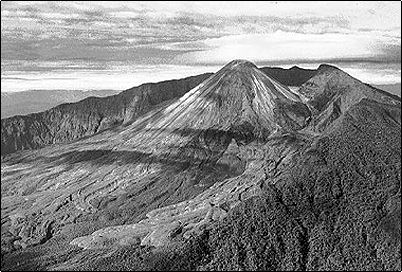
(182, 146)
(72, 121)
(76, 120)
(331, 92)
(238, 99)
(334, 204)
(236, 174)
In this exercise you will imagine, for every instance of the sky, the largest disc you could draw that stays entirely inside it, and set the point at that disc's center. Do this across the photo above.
(117, 45)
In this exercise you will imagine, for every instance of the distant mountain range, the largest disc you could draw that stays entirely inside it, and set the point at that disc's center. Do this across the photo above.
(391, 88)
(226, 171)
(26, 102)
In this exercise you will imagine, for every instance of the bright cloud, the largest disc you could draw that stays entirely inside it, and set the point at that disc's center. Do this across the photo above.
(118, 77)
(89, 36)
(282, 46)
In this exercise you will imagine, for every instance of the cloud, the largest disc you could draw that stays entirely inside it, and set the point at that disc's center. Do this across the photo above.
(285, 46)
(116, 76)
(94, 34)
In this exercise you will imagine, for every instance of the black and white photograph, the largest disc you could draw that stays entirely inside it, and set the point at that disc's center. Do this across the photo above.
(200, 136)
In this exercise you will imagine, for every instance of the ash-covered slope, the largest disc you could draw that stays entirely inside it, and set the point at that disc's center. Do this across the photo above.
(238, 174)
(239, 99)
(191, 137)
(73, 121)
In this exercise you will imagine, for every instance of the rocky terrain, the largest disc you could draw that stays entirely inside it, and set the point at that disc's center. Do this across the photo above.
(224, 171)
(72, 121)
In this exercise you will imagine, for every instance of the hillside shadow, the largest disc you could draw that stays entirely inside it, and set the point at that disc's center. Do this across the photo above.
(242, 133)
(177, 160)
(102, 157)
(204, 149)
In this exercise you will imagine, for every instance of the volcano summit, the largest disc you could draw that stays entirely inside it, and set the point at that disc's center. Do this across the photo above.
(224, 171)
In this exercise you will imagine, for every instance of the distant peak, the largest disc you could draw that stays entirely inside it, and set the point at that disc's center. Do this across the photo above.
(239, 64)
(295, 68)
(327, 67)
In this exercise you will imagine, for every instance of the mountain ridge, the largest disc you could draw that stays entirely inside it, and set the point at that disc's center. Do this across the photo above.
(33, 101)
(40, 129)
(238, 173)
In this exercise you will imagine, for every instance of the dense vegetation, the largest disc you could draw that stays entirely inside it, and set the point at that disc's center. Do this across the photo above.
(330, 215)
(328, 200)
